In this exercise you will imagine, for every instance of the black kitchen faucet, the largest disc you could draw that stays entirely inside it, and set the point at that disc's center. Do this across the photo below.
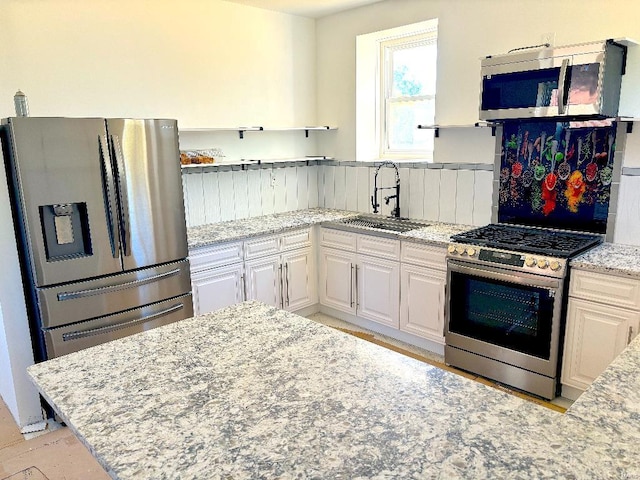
(374, 198)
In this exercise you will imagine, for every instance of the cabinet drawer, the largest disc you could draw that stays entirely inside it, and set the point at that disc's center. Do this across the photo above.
(379, 247)
(423, 255)
(338, 239)
(609, 289)
(297, 239)
(261, 247)
(209, 257)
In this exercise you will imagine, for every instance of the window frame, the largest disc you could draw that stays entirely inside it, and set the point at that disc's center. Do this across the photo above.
(369, 100)
(386, 47)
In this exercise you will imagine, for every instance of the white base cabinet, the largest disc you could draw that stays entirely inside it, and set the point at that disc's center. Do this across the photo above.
(603, 316)
(217, 277)
(217, 288)
(367, 286)
(300, 279)
(263, 280)
(422, 302)
(337, 270)
(286, 280)
(278, 270)
(378, 290)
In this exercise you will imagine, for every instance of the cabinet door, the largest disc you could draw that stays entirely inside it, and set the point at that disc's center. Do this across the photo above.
(596, 334)
(217, 288)
(378, 290)
(264, 280)
(337, 270)
(299, 278)
(422, 302)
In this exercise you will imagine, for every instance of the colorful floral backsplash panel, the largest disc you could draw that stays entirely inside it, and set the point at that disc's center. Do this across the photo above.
(555, 176)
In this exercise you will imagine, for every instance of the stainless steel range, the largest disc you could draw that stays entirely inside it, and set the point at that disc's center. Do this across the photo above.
(505, 297)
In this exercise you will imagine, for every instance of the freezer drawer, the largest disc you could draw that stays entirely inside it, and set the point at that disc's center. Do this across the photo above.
(76, 302)
(71, 338)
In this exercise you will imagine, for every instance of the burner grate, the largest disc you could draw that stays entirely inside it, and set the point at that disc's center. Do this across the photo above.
(529, 240)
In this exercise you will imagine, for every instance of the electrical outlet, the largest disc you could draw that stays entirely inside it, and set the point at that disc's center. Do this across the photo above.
(549, 38)
(273, 180)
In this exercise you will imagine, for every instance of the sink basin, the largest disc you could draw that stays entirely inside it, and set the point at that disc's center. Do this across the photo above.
(392, 224)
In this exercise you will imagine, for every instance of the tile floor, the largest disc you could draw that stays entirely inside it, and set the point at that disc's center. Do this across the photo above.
(56, 454)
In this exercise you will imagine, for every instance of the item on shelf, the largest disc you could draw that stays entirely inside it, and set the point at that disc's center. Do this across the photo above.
(200, 157)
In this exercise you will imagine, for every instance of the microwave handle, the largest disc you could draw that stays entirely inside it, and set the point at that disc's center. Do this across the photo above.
(562, 94)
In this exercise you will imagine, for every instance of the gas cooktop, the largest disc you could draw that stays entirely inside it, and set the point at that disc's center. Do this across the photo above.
(539, 241)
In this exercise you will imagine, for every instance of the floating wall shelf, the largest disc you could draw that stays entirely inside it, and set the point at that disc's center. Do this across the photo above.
(471, 125)
(241, 130)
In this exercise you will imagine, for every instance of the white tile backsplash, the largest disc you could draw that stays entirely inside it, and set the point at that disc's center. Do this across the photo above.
(447, 195)
(227, 204)
(431, 194)
(211, 197)
(280, 190)
(416, 186)
(254, 185)
(268, 192)
(464, 196)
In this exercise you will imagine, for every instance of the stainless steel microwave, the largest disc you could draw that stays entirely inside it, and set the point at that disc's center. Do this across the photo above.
(570, 81)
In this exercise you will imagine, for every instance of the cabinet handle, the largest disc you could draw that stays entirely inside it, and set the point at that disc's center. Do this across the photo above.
(357, 289)
(286, 279)
(351, 287)
(244, 287)
(629, 335)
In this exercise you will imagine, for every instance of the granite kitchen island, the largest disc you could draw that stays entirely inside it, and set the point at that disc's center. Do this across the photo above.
(255, 392)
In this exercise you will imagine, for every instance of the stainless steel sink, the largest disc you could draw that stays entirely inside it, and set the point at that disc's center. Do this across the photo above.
(379, 222)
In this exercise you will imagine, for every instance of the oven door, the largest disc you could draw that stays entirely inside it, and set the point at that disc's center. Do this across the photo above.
(508, 316)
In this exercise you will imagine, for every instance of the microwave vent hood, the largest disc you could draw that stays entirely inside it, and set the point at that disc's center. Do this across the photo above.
(574, 81)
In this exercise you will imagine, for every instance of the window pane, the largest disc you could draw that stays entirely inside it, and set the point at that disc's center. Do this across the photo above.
(413, 71)
(404, 117)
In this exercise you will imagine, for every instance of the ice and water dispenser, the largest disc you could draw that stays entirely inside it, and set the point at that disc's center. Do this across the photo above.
(65, 228)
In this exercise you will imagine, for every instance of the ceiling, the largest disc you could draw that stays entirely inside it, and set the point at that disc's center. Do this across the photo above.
(306, 8)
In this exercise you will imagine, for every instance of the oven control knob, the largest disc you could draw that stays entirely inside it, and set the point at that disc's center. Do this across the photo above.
(543, 263)
(460, 250)
(530, 261)
(555, 265)
(451, 249)
(471, 251)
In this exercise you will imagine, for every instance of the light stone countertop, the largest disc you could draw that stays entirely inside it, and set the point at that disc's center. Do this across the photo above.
(254, 392)
(214, 233)
(436, 233)
(611, 258)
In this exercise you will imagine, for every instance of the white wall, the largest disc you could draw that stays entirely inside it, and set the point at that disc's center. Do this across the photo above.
(205, 62)
(468, 30)
(16, 354)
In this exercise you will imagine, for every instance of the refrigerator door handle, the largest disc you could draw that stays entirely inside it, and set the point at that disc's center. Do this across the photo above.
(114, 288)
(122, 191)
(102, 330)
(109, 199)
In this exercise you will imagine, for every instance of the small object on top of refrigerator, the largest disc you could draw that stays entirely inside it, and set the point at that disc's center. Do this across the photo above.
(21, 104)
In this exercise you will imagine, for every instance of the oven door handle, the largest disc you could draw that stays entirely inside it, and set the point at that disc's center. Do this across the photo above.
(492, 273)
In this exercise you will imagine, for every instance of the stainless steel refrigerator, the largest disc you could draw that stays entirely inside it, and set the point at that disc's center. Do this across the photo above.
(98, 210)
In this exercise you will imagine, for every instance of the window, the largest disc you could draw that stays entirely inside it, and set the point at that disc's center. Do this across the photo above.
(396, 88)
